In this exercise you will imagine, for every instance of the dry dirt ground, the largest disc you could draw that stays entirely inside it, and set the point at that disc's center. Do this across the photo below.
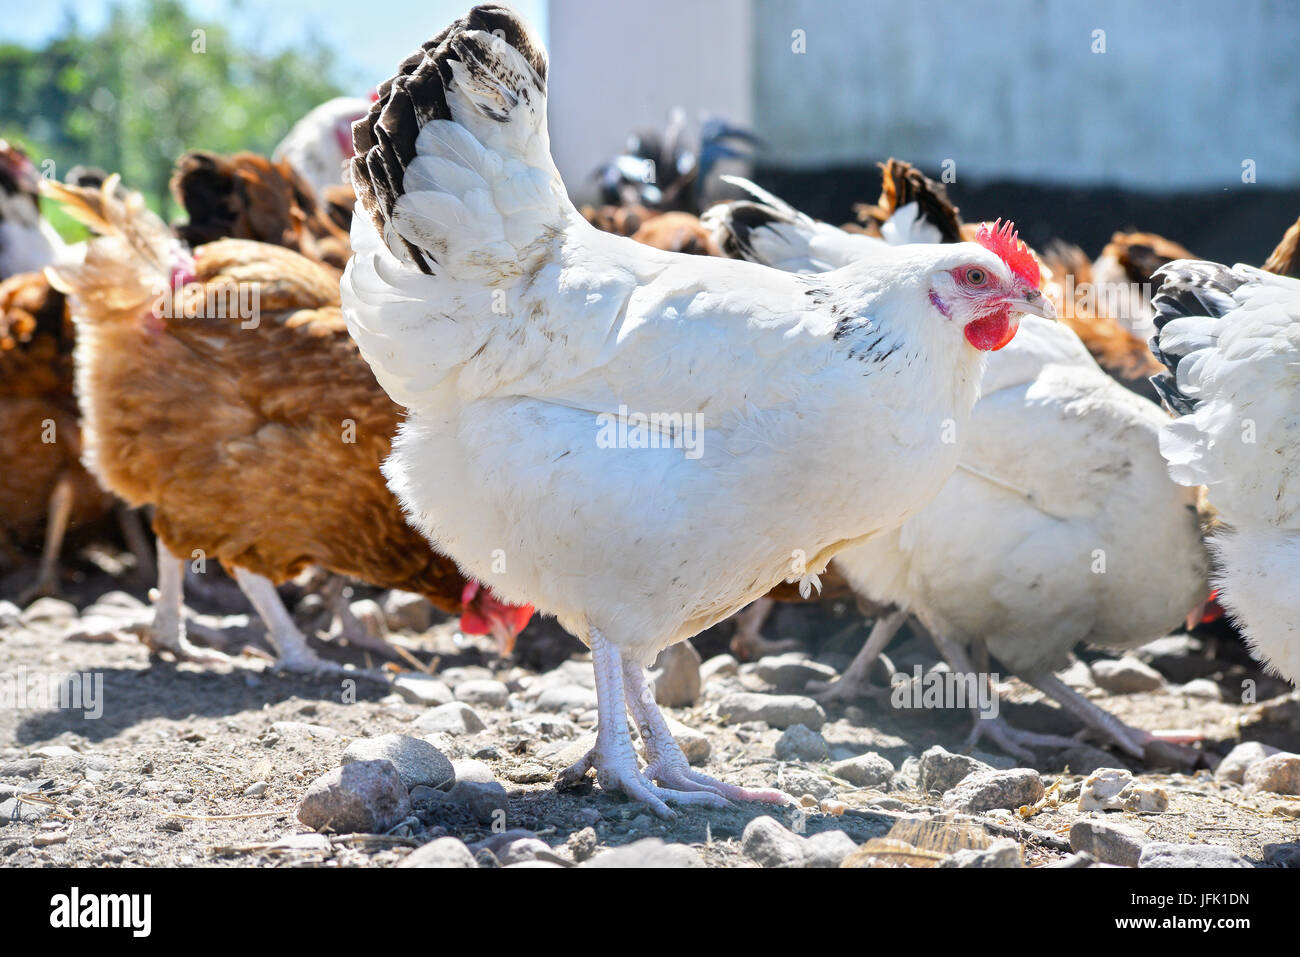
(207, 766)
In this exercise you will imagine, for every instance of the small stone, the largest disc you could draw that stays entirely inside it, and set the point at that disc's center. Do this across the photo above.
(407, 611)
(1201, 688)
(22, 768)
(1162, 854)
(483, 691)
(17, 811)
(365, 796)
(528, 774)
(296, 732)
(986, 790)
(93, 629)
(1107, 842)
(9, 614)
(1078, 676)
(1282, 855)
(648, 852)
(719, 666)
(582, 844)
(487, 802)
(801, 781)
(565, 698)
(865, 771)
(256, 789)
(1083, 759)
(417, 762)
(51, 610)
(792, 672)
(675, 676)
(316, 843)
(1073, 861)
(1126, 675)
(454, 718)
(1178, 657)
(827, 849)
(798, 743)
(442, 852)
(371, 617)
(1233, 768)
(766, 841)
(779, 711)
(475, 772)
(1278, 773)
(1101, 790)
(423, 690)
(1145, 799)
(694, 744)
(941, 770)
(1001, 853)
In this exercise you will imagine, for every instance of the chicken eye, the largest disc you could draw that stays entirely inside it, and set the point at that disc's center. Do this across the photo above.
(976, 276)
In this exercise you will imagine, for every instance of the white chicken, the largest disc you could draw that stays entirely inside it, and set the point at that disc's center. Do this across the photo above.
(319, 145)
(1230, 338)
(1058, 526)
(636, 440)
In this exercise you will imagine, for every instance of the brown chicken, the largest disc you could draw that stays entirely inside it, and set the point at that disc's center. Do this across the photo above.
(223, 388)
(246, 196)
(673, 232)
(1285, 260)
(44, 490)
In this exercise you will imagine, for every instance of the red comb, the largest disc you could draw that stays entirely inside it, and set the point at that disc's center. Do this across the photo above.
(1006, 245)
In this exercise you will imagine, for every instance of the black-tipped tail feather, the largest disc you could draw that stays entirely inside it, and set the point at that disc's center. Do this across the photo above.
(1188, 288)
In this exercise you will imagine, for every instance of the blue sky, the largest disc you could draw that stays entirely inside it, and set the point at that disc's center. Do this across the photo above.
(370, 36)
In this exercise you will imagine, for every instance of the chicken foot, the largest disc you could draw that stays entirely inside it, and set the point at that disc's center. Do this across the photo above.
(613, 757)
(292, 651)
(1132, 740)
(747, 641)
(56, 526)
(665, 761)
(168, 631)
(856, 682)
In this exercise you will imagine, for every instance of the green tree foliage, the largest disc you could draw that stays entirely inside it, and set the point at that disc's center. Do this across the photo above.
(154, 82)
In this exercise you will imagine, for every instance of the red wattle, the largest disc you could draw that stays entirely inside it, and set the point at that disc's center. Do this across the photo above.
(991, 332)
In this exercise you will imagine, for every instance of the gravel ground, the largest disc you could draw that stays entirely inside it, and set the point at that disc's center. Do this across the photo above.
(213, 766)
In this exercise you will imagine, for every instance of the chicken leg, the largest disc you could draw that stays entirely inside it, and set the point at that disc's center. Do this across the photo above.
(56, 525)
(613, 757)
(665, 761)
(168, 630)
(855, 682)
(747, 641)
(292, 650)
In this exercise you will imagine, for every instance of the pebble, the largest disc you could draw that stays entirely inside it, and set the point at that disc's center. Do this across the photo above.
(256, 789)
(1233, 768)
(779, 711)
(417, 761)
(798, 743)
(442, 852)
(528, 774)
(475, 772)
(53, 610)
(719, 666)
(1162, 854)
(303, 842)
(298, 730)
(454, 718)
(22, 768)
(799, 781)
(407, 611)
(582, 844)
(1201, 688)
(675, 676)
(1102, 788)
(486, 802)
(827, 849)
(1282, 855)
(1108, 842)
(986, 790)
(423, 689)
(1178, 657)
(565, 698)
(770, 844)
(10, 615)
(15, 811)
(791, 672)
(941, 770)
(1126, 676)
(370, 616)
(483, 691)
(1001, 853)
(865, 770)
(1278, 773)
(1078, 676)
(93, 629)
(365, 796)
(648, 852)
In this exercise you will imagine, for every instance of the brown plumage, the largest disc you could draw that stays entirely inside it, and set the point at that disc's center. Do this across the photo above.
(246, 196)
(238, 405)
(1139, 255)
(619, 220)
(1285, 260)
(902, 183)
(44, 489)
(678, 233)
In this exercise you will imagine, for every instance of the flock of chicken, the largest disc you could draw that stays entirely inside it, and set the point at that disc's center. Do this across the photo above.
(286, 384)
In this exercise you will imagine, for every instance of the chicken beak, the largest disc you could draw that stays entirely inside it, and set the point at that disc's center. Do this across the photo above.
(1034, 303)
